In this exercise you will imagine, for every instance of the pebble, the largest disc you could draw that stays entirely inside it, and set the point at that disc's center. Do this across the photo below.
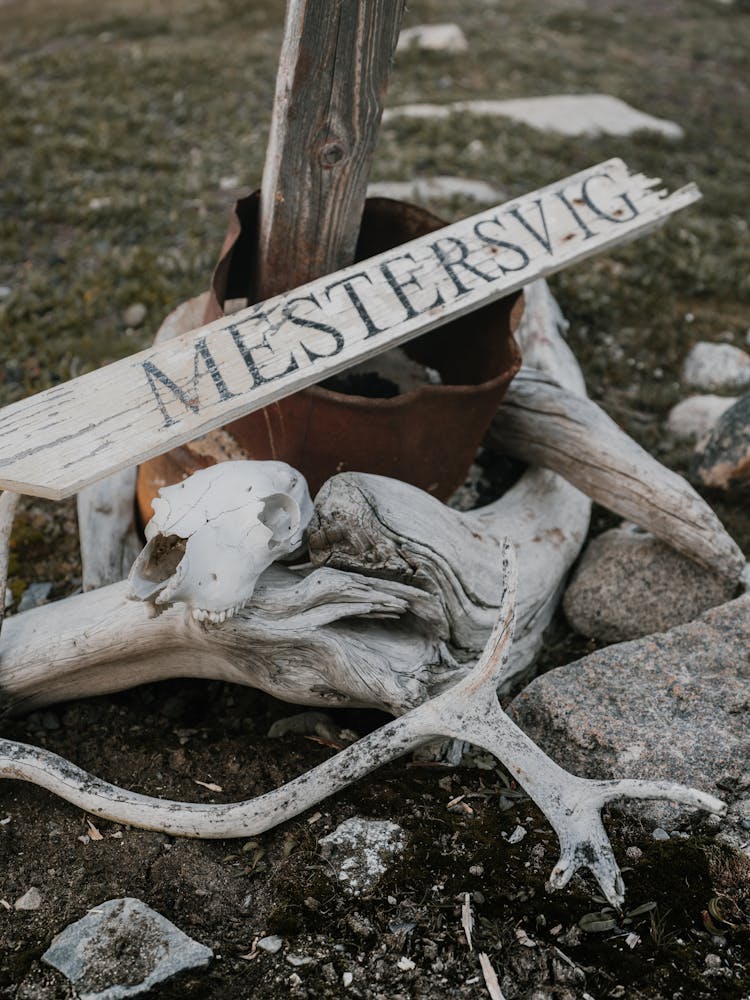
(713, 961)
(446, 38)
(652, 708)
(659, 834)
(360, 851)
(722, 461)
(347, 978)
(122, 948)
(517, 836)
(565, 114)
(271, 944)
(34, 596)
(8, 598)
(299, 960)
(629, 584)
(717, 367)
(405, 964)
(5, 291)
(633, 853)
(134, 315)
(31, 900)
(697, 416)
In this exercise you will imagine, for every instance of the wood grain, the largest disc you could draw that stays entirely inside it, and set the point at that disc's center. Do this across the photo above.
(55, 443)
(333, 75)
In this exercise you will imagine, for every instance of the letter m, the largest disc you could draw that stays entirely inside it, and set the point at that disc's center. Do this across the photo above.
(165, 389)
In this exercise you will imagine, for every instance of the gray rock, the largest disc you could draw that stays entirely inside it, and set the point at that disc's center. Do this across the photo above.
(659, 834)
(122, 948)
(135, 314)
(34, 595)
(673, 705)
(722, 461)
(717, 367)
(31, 900)
(696, 416)
(360, 850)
(447, 38)
(5, 291)
(629, 584)
(435, 189)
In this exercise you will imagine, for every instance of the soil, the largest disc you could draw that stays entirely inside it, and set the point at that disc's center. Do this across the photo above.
(128, 129)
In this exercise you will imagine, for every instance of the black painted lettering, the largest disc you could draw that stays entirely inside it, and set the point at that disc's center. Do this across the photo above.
(399, 284)
(348, 286)
(618, 215)
(495, 242)
(246, 353)
(544, 240)
(587, 234)
(450, 266)
(189, 399)
(313, 324)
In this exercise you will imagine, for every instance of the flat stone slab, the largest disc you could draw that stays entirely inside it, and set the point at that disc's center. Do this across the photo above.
(673, 705)
(122, 948)
(564, 114)
(439, 188)
(360, 851)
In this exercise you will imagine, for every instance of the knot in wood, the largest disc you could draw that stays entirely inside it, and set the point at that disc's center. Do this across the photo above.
(332, 153)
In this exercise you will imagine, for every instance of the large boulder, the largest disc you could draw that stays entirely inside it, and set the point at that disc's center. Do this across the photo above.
(674, 705)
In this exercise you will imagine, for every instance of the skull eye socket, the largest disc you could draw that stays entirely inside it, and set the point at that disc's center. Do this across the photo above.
(164, 558)
(280, 514)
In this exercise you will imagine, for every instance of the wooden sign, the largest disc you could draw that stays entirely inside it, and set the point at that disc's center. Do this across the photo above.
(74, 434)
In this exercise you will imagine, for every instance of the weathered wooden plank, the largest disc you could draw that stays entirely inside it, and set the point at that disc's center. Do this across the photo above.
(333, 74)
(55, 443)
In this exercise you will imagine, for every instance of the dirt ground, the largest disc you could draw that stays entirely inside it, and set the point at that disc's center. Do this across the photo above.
(127, 130)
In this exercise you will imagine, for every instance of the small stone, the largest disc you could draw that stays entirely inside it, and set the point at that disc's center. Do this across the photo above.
(31, 900)
(629, 584)
(659, 834)
(697, 416)
(745, 824)
(229, 183)
(517, 836)
(722, 461)
(306, 724)
(446, 38)
(8, 598)
(134, 315)
(271, 944)
(713, 961)
(121, 948)
(717, 367)
(35, 595)
(476, 870)
(405, 964)
(360, 851)
(5, 291)
(299, 960)
(347, 978)
(651, 709)
(633, 853)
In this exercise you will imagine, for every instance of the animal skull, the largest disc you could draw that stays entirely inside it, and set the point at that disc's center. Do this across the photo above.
(213, 534)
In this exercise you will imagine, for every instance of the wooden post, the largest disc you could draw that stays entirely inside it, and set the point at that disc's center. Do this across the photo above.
(333, 74)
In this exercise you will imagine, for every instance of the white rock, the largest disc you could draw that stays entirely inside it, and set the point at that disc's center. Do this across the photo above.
(271, 944)
(31, 900)
(566, 114)
(5, 291)
(446, 38)
(121, 948)
(517, 836)
(347, 979)
(360, 850)
(714, 367)
(436, 189)
(697, 416)
(135, 314)
(405, 964)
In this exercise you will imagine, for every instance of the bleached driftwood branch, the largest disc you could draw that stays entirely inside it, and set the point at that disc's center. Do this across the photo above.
(543, 423)
(106, 529)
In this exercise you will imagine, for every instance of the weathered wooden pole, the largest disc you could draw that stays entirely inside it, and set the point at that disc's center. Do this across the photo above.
(333, 74)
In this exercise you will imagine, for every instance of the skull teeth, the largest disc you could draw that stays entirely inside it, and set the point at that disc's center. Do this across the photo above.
(216, 617)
